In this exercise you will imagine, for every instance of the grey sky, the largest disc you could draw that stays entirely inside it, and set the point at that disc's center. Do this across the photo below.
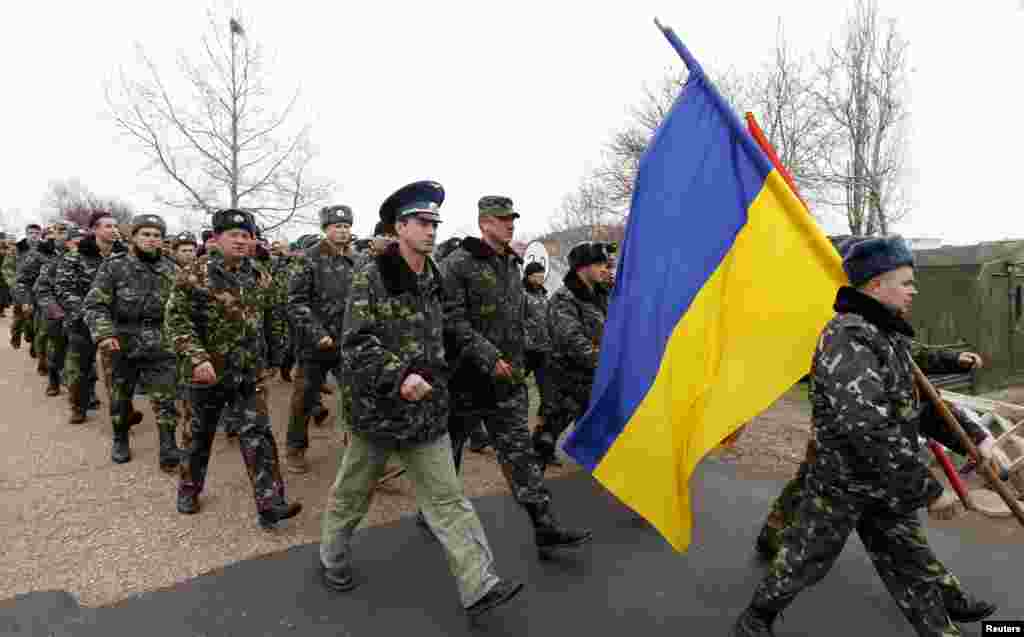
(500, 98)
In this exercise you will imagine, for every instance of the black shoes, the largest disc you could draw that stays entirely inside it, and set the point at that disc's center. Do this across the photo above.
(337, 579)
(500, 593)
(188, 504)
(269, 517)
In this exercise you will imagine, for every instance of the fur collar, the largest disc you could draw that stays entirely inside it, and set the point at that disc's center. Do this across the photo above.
(46, 247)
(481, 250)
(850, 300)
(574, 284)
(396, 274)
(325, 248)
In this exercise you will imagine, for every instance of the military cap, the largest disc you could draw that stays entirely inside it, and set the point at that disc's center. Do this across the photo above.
(74, 232)
(588, 253)
(148, 221)
(232, 219)
(33, 226)
(206, 235)
(496, 206)
(422, 198)
(871, 257)
(335, 214)
(183, 238)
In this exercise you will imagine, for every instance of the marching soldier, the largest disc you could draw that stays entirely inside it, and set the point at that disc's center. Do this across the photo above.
(46, 251)
(575, 320)
(74, 276)
(867, 473)
(394, 363)
(183, 249)
(317, 291)
(485, 313)
(124, 313)
(53, 313)
(22, 325)
(221, 322)
(538, 338)
(284, 262)
(6, 254)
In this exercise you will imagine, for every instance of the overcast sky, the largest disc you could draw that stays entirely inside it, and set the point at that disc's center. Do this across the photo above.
(500, 98)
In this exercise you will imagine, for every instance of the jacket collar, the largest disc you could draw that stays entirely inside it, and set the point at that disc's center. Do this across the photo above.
(46, 247)
(535, 289)
(574, 284)
(396, 274)
(851, 301)
(23, 245)
(481, 250)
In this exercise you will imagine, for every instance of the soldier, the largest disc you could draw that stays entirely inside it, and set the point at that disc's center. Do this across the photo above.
(867, 473)
(6, 254)
(220, 321)
(124, 313)
(22, 325)
(317, 291)
(183, 249)
(74, 276)
(575, 320)
(54, 313)
(485, 311)
(46, 251)
(394, 363)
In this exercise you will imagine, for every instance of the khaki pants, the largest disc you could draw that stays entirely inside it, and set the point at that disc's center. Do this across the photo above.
(439, 495)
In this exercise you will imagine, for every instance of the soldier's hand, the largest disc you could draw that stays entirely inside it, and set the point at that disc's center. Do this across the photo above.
(502, 369)
(415, 388)
(110, 344)
(326, 343)
(203, 374)
(970, 360)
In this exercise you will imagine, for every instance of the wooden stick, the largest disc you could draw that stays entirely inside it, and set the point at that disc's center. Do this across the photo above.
(987, 467)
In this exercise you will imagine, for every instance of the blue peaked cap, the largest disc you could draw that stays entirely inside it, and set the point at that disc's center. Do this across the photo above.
(423, 198)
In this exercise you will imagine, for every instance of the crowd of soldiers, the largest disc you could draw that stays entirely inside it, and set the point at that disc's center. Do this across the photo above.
(428, 346)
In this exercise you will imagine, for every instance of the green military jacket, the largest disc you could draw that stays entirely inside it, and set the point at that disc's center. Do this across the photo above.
(575, 320)
(317, 294)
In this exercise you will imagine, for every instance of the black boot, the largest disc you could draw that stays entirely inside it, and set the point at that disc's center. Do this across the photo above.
(338, 578)
(754, 623)
(134, 418)
(121, 451)
(170, 454)
(500, 593)
(188, 503)
(283, 511)
(768, 541)
(965, 609)
(549, 535)
(544, 445)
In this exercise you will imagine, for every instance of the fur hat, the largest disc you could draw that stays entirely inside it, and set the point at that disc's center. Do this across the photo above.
(868, 258)
(532, 268)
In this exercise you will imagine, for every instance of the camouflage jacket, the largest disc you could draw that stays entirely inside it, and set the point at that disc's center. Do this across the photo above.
(485, 311)
(866, 413)
(29, 269)
(317, 292)
(43, 290)
(75, 273)
(225, 317)
(127, 301)
(13, 263)
(537, 337)
(393, 327)
(575, 320)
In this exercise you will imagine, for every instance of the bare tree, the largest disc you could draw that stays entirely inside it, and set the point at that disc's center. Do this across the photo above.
(221, 144)
(861, 91)
(71, 200)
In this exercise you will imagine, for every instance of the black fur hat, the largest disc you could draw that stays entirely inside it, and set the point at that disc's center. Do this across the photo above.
(868, 258)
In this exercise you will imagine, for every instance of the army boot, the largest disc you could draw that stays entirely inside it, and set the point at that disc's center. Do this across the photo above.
(53, 388)
(121, 451)
(42, 367)
(500, 593)
(755, 623)
(963, 608)
(281, 511)
(550, 536)
(77, 411)
(170, 454)
(295, 460)
(16, 340)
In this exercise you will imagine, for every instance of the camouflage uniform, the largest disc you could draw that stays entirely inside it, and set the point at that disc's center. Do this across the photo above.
(394, 327)
(224, 315)
(6, 254)
(575, 320)
(53, 316)
(28, 273)
(317, 292)
(126, 302)
(22, 324)
(867, 473)
(75, 273)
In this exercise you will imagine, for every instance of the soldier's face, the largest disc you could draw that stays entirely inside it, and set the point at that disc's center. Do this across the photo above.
(338, 233)
(235, 243)
(537, 278)
(105, 230)
(595, 273)
(185, 254)
(895, 289)
(33, 234)
(498, 229)
(278, 248)
(418, 234)
(148, 240)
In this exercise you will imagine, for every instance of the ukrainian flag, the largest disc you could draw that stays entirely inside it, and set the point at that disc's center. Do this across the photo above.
(724, 283)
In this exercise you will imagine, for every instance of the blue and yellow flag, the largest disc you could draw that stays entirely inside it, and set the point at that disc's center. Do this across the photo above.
(724, 283)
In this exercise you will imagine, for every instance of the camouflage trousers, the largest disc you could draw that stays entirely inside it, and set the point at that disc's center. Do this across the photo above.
(537, 364)
(567, 399)
(896, 543)
(505, 421)
(155, 376)
(57, 351)
(308, 379)
(41, 339)
(440, 497)
(22, 325)
(80, 369)
(248, 404)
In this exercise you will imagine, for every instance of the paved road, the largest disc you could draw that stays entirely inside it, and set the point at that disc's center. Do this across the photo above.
(628, 582)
